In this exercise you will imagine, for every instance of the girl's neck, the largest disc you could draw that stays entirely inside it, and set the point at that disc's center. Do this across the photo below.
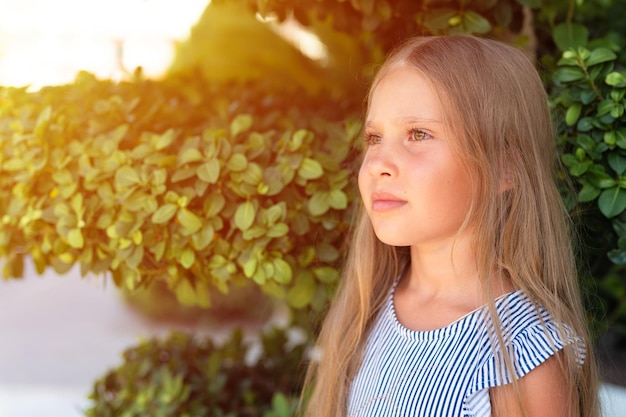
(443, 266)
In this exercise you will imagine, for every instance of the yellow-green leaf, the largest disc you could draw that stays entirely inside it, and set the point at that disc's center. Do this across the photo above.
(203, 298)
(573, 113)
(237, 162)
(318, 203)
(282, 271)
(301, 294)
(75, 238)
(310, 169)
(187, 258)
(189, 155)
(326, 274)
(338, 200)
(185, 293)
(209, 171)
(214, 204)
(240, 124)
(164, 213)
(244, 216)
(189, 221)
(126, 177)
(277, 230)
(250, 266)
(42, 121)
(475, 23)
(162, 141)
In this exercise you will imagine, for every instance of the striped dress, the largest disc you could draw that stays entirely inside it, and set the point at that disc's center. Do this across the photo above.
(448, 372)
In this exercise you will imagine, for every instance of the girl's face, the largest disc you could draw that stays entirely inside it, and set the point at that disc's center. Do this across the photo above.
(414, 187)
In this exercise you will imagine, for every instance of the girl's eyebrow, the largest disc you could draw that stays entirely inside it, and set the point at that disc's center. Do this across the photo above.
(407, 120)
(411, 119)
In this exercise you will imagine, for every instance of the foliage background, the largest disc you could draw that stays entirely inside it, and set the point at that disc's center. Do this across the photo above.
(236, 169)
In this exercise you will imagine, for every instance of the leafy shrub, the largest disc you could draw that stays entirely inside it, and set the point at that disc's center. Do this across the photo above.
(589, 93)
(182, 376)
(185, 181)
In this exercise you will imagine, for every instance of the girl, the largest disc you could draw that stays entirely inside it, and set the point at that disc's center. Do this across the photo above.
(459, 296)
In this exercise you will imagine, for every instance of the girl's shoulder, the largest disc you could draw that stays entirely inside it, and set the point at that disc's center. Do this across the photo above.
(529, 334)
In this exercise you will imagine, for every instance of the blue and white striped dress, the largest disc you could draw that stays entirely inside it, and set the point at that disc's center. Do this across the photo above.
(448, 372)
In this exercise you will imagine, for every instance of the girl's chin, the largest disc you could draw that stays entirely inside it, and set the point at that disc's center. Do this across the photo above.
(392, 239)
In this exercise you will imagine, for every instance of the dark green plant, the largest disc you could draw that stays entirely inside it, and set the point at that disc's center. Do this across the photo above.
(588, 94)
(183, 376)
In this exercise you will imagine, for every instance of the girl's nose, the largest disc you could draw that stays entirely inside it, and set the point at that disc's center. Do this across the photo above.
(381, 162)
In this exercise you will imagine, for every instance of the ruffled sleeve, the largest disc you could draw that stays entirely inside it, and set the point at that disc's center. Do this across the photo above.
(532, 342)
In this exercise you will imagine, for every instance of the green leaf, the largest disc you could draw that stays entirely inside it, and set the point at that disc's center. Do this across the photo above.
(620, 137)
(297, 139)
(338, 200)
(42, 121)
(580, 168)
(310, 169)
(209, 171)
(605, 107)
(617, 256)
(599, 178)
(568, 74)
(617, 111)
(326, 274)
(280, 405)
(185, 293)
(244, 216)
(214, 204)
(617, 162)
(184, 173)
(570, 35)
(75, 238)
(303, 290)
(585, 124)
(189, 155)
(274, 213)
(599, 56)
(240, 124)
(189, 221)
(612, 201)
(572, 114)
(588, 193)
(282, 271)
(278, 230)
(439, 19)
(126, 177)
(616, 79)
(187, 258)
(204, 237)
(162, 141)
(164, 213)
(475, 23)
(318, 203)
(237, 162)
(250, 267)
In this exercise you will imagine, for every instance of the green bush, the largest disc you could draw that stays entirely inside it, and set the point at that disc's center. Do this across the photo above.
(588, 94)
(184, 377)
(184, 181)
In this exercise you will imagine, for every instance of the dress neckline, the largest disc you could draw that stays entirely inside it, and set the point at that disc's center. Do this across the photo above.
(464, 321)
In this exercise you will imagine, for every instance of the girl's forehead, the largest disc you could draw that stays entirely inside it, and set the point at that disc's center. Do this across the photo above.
(404, 93)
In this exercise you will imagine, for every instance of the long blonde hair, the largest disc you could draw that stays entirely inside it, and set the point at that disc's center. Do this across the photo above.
(497, 106)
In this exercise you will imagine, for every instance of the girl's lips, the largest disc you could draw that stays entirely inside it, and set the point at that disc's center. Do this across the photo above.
(385, 202)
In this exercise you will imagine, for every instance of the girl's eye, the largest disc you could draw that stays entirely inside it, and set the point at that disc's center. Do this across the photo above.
(372, 139)
(419, 135)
